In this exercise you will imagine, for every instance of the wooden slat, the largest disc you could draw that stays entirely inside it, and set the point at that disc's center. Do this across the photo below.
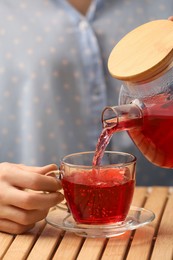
(22, 244)
(46, 243)
(139, 197)
(116, 247)
(69, 247)
(92, 249)
(163, 248)
(5, 242)
(142, 241)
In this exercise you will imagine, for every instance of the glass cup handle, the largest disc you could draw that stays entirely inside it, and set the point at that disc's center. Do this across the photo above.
(58, 175)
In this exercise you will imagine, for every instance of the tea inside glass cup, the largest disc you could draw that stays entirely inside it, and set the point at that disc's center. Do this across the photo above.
(101, 194)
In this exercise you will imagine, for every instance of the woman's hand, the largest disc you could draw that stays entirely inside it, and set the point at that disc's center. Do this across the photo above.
(26, 195)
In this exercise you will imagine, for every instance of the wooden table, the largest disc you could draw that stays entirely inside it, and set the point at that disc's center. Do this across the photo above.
(153, 241)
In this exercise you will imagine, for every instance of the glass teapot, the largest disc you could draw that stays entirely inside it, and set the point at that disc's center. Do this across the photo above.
(143, 60)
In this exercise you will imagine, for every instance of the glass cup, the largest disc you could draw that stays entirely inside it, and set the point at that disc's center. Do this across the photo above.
(98, 195)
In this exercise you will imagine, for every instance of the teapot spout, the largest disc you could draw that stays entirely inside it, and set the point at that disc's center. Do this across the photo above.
(123, 117)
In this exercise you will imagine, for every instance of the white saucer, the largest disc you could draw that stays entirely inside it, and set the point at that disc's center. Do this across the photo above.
(137, 217)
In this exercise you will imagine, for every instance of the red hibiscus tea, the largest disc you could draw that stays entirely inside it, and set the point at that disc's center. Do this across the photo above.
(98, 194)
(98, 200)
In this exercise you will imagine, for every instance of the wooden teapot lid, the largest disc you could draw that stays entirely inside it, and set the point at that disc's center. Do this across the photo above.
(143, 52)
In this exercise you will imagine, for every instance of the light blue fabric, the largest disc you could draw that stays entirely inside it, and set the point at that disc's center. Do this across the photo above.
(54, 81)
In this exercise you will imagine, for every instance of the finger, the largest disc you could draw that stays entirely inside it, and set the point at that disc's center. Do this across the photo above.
(27, 179)
(13, 228)
(21, 216)
(42, 170)
(30, 200)
(170, 18)
(54, 175)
